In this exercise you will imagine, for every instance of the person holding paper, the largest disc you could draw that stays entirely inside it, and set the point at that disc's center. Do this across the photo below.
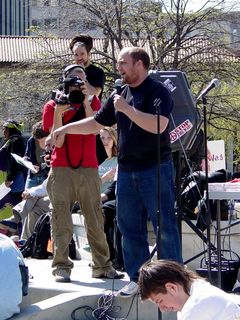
(34, 153)
(13, 173)
(35, 202)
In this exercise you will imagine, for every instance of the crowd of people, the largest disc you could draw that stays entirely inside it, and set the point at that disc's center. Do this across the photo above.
(106, 157)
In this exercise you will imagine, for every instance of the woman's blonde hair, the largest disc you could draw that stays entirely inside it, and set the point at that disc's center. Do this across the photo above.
(113, 134)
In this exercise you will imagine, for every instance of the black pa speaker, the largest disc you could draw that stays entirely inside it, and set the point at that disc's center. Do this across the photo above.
(185, 120)
(229, 271)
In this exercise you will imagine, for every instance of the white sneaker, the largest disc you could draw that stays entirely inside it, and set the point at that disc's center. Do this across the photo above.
(130, 290)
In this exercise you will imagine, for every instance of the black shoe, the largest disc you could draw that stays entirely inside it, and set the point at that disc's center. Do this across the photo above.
(117, 266)
(110, 273)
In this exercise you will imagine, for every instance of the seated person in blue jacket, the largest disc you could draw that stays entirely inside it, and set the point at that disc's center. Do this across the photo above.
(34, 152)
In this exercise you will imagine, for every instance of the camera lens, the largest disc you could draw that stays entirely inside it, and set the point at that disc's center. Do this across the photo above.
(76, 96)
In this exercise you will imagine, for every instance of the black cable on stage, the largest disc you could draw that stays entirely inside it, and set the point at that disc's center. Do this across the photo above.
(106, 310)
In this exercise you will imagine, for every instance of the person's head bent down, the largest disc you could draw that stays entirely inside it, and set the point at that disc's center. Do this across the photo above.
(166, 283)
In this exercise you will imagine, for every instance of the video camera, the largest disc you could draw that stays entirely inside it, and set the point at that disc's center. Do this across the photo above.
(47, 158)
(64, 96)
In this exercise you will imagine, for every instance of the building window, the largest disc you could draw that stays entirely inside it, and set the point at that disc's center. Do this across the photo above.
(72, 24)
(36, 23)
(88, 25)
(45, 3)
(50, 23)
(55, 3)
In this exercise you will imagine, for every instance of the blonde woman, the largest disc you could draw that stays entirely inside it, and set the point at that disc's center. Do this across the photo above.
(107, 169)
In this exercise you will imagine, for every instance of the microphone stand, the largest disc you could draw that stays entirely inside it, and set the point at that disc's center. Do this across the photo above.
(214, 83)
(158, 185)
(158, 235)
(158, 240)
(208, 215)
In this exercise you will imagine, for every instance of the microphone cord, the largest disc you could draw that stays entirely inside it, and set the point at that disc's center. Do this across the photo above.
(105, 310)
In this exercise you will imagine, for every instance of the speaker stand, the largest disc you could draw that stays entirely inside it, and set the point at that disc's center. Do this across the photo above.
(182, 216)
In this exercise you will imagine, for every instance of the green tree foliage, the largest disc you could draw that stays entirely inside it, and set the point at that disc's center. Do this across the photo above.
(198, 43)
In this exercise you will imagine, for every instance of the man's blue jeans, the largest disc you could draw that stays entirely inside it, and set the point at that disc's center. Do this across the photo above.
(136, 202)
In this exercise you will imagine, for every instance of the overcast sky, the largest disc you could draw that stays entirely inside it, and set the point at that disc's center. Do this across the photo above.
(194, 5)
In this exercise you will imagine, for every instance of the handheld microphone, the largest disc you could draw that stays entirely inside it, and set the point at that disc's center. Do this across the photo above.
(213, 84)
(118, 85)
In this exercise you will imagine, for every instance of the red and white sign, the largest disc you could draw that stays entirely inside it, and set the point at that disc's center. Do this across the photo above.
(216, 156)
(180, 130)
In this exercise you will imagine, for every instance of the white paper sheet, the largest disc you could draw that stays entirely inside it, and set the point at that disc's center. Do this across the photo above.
(4, 190)
(24, 162)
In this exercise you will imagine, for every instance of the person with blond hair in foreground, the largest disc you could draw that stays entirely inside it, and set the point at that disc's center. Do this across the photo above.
(175, 288)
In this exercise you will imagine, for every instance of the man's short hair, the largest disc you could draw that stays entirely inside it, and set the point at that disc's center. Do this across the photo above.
(83, 39)
(137, 53)
(154, 275)
(38, 132)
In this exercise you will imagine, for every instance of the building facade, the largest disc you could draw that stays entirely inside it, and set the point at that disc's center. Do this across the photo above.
(14, 17)
(64, 19)
(60, 18)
